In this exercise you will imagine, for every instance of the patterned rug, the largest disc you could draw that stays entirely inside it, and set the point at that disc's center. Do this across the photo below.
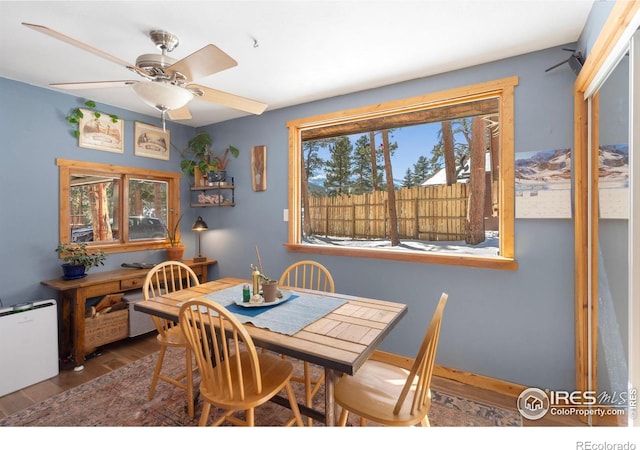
(119, 398)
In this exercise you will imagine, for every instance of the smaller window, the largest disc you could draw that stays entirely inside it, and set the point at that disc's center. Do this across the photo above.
(117, 208)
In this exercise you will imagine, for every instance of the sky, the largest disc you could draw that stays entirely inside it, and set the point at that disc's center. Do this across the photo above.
(413, 142)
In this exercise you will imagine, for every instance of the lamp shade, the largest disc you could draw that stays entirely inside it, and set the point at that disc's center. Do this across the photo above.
(161, 95)
(199, 225)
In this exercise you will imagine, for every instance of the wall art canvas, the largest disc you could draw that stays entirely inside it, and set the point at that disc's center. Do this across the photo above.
(543, 184)
(259, 168)
(613, 181)
(151, 142)
(101, 133)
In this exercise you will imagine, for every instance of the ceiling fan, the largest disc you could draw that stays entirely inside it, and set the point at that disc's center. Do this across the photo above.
(167, 83)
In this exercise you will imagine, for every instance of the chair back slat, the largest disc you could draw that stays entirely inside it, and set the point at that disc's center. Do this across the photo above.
(307, 274)
(419, 378)
(165, 278)
(221, 346)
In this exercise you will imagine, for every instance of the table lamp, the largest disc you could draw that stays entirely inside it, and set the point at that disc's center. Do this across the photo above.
(198, 227)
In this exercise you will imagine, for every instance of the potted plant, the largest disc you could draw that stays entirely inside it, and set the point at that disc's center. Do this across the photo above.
(198, 154)
(175, 249)
(218, 166)
(78, 259)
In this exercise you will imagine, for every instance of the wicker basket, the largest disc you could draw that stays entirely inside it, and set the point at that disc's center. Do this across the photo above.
(105, 328)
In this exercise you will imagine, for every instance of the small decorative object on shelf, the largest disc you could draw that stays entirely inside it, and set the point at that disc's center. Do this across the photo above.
(214, 199)
(217, 194)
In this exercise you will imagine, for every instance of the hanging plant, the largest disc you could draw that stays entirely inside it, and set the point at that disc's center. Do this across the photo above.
(76, 115)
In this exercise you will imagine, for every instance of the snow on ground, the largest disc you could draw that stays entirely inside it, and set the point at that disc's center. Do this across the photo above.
(490, 247)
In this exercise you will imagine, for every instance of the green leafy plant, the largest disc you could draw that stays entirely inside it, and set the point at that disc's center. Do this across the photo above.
(264, 277)
(198, 154)
(173, 234)
(76, 115)
(80, 255)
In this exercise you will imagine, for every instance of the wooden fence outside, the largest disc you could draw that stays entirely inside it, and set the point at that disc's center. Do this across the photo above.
(429, 213)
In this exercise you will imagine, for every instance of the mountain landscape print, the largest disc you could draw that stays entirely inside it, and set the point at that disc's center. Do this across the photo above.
(613, 181)
(543, 184)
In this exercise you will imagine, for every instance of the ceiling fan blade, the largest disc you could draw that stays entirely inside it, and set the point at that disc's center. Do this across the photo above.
(179, 114)
(202, 63)
(94, 84)
(230, 100)
(81, 45)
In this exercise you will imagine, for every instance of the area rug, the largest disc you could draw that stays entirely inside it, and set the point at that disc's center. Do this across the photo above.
(120, 398)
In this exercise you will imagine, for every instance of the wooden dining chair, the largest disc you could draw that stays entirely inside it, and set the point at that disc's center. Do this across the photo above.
(393, 392)
(164, 278)
(234, 376)
(308, 274)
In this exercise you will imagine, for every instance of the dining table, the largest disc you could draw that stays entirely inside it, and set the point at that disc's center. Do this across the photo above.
(333, 330)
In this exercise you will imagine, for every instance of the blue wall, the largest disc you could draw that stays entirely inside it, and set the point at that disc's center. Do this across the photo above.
(512, 325)
(35, 133)
(517, 326)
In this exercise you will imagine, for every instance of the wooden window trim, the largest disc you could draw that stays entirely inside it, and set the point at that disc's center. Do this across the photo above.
(66, 167)
(586, 207)
(326, 124)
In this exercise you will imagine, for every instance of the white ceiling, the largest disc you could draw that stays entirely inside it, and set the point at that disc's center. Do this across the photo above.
(306, 50)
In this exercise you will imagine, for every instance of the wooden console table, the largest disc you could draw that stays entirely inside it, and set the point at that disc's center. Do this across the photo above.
(74, 294)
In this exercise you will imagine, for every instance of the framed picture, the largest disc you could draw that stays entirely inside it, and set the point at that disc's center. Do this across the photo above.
(101, 133)
(151, 142)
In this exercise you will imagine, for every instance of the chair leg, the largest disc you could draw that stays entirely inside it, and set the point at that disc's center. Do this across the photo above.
(250, 417)
(156, 373)
(307, 390)
(190, 405)
(294, 404)
(204, 415)
(344, 415)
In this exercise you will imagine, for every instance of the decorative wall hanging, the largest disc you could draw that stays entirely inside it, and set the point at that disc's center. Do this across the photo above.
(151, 142)
(100, 132)
(259, 167)
(613, 181)
(543, 184)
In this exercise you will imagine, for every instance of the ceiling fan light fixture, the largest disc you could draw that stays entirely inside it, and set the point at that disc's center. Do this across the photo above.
(163, 96)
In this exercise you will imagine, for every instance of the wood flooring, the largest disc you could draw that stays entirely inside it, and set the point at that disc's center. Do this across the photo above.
(123, 352)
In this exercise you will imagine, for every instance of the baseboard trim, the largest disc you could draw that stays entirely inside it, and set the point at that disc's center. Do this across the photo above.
(480, 381)
(468, 378)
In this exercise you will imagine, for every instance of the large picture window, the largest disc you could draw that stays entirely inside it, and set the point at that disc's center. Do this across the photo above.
(425, 179)
(117, 208)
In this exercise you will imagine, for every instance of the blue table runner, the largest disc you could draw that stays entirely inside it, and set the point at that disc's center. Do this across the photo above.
(288, 317)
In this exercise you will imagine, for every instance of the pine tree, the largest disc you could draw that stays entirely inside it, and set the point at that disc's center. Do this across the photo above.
(338, 167)
(362, 168)
(408, 180)
(311, 162)
(422, 171)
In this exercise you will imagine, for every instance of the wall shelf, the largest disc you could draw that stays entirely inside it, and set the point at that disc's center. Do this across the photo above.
(217, 194)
